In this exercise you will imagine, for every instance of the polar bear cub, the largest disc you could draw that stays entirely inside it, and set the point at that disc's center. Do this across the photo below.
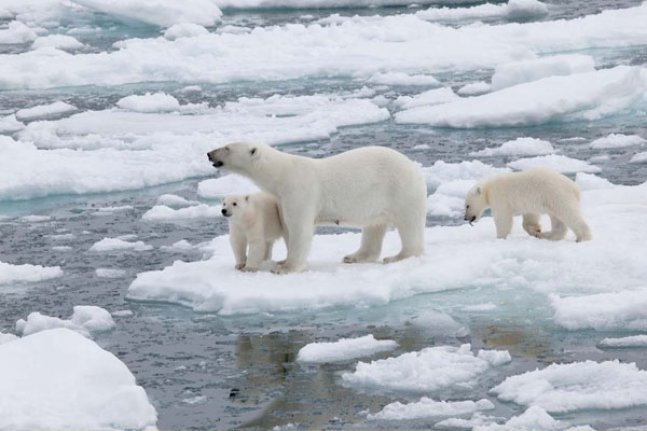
(254, 223)
(531, 193)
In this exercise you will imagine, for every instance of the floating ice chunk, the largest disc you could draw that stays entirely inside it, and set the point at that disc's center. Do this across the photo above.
(427, 408)
(109, 272)
(474, 89)
(10, 124)
(186, 29)
(632, 341)
(428, 98)
(312, 4)
(44, 111)
(581, 96)
(591, 182)
(625, 309)
(441, 205)
(85, 319)
(164, 213)
(123, 313)
(17, 32)
(426, 370)
(563, 164)
(27, 273)
(442, 172)
(588, 385)
(62, 248)
(533, 419)
(226, 185)
(477, 420)
(181, 245)
(6, 338)
(67, 381)
(163, 14)
(618, 140)
(518, 147)
(109, 210)
(58, 41)
(437, 322)
(513, 9)
(344, 349)
(401, 78)
(35, 218)
(115, 244)
(157, 102)
(518, 72)
(487, 306)
(174, 201)
(639, 158)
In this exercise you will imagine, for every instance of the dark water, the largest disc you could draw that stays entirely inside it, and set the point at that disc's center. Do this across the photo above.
(205, 371)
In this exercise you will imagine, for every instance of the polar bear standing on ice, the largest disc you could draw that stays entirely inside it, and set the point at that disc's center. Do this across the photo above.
(370, 187)
(254, 221)
(530, 193)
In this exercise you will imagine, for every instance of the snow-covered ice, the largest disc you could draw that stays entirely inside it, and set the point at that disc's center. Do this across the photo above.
(533, 419)
(85, 319)
(344, 349)
(587, 385)
(44, 111)
(401, 78)
(558, 162)
(27, 273)
(513, 9)
(5, 338)
(428, 98)
(631, 341)
(157, 102)
(58, 41)
(165, 213)
(518, 72)
(427, 370)
(618, 140)
(518, 147)
(427, 408)
(474, 89)
(216, 188)
(580, 96)
(639, 158)
(174, 201)
(109, 272)
(17, 32)
(118, 244)
(58, 379)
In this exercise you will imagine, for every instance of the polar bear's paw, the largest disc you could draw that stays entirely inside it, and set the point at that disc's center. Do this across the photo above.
(240, 266)
(534, 230)
(358, 258)
(249, 269)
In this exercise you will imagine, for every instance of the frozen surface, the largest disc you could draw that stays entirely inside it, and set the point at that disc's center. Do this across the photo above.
(58, 379)
(164, 14)
(585, 385)
(110, 272)
(6, 338)
(427, 370)
(165, 213)
(27, 273)
(558, 162)
(157, 102)
(580, 96)
(344, 349)
(118, 244)
(17, 32)
(401, 78)
(85, 320)
(518, 147)
(44, 111)
(518, 72)
(9, 124)
(631, 341)
(436, 96)
(533, 419)
(426, 408)
(59, 41)
(639, 158)
(622, 309)
(618, 140)
(513, 9)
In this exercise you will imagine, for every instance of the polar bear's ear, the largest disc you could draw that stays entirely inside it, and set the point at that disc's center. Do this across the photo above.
(253, 151)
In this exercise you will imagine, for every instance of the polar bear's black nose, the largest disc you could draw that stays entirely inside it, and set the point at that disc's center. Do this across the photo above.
(224, 212)
(209, 156)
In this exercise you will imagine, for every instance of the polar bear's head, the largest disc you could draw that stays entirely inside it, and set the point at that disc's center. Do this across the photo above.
(236, 157)
(234, 205)
(475, 203)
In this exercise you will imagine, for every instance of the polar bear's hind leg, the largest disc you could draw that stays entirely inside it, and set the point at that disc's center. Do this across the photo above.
(369, 251)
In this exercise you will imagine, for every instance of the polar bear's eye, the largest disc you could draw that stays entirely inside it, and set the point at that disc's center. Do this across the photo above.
(467, 206)
(235, 204)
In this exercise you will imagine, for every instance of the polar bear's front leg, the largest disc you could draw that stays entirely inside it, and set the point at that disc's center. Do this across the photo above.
(255, 256)
(531, 224)
(238, 242)
(503, 223)
(300, 229)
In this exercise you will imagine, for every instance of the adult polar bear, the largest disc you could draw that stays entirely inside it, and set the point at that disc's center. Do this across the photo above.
(369, 187)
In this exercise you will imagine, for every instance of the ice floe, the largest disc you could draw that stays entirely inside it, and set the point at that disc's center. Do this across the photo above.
(165, 213)
(639, 158)
(44, 111)
(109, 272)
(631, 341)
(58, 41)
(118, 244)
(344, 349)
(58, 379)
(580, 96)
(518, 147)
(157, 102)
(9, 124)
(226, 185)
(427, 370)
(533, 419)
(587, 385)
(563, 164)
(186, 29)
(27, 273)
(401, 78)
(6, 338)
(519, 72)
(85, 319)
(618, 140)
(427, 408)
(164, 14)
(17, 32)
(428, 98)
(513, 9)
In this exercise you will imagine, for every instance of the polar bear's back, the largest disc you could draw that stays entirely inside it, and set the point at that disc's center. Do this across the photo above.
(532, 190)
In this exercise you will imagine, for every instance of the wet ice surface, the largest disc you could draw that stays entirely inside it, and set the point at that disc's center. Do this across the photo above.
(203, 370)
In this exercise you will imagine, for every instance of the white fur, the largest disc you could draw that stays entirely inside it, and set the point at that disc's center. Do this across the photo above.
(370, 187)
(254, 222)
(529, 193)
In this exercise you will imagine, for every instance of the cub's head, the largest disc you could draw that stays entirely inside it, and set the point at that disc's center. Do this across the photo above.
(234, 205)
(236, 157)
(475, 203)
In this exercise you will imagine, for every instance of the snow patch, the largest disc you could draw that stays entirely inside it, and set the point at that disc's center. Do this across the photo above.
(27, 273)
(217, 188)
(117, 244)
(631, 341)
(518, 147)
(427, 408)
(563, 164)
(44, 111)
(157, 102)
(618, 140)
(164, 213)
(85, 319)
(519, 72)
(344, 349)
